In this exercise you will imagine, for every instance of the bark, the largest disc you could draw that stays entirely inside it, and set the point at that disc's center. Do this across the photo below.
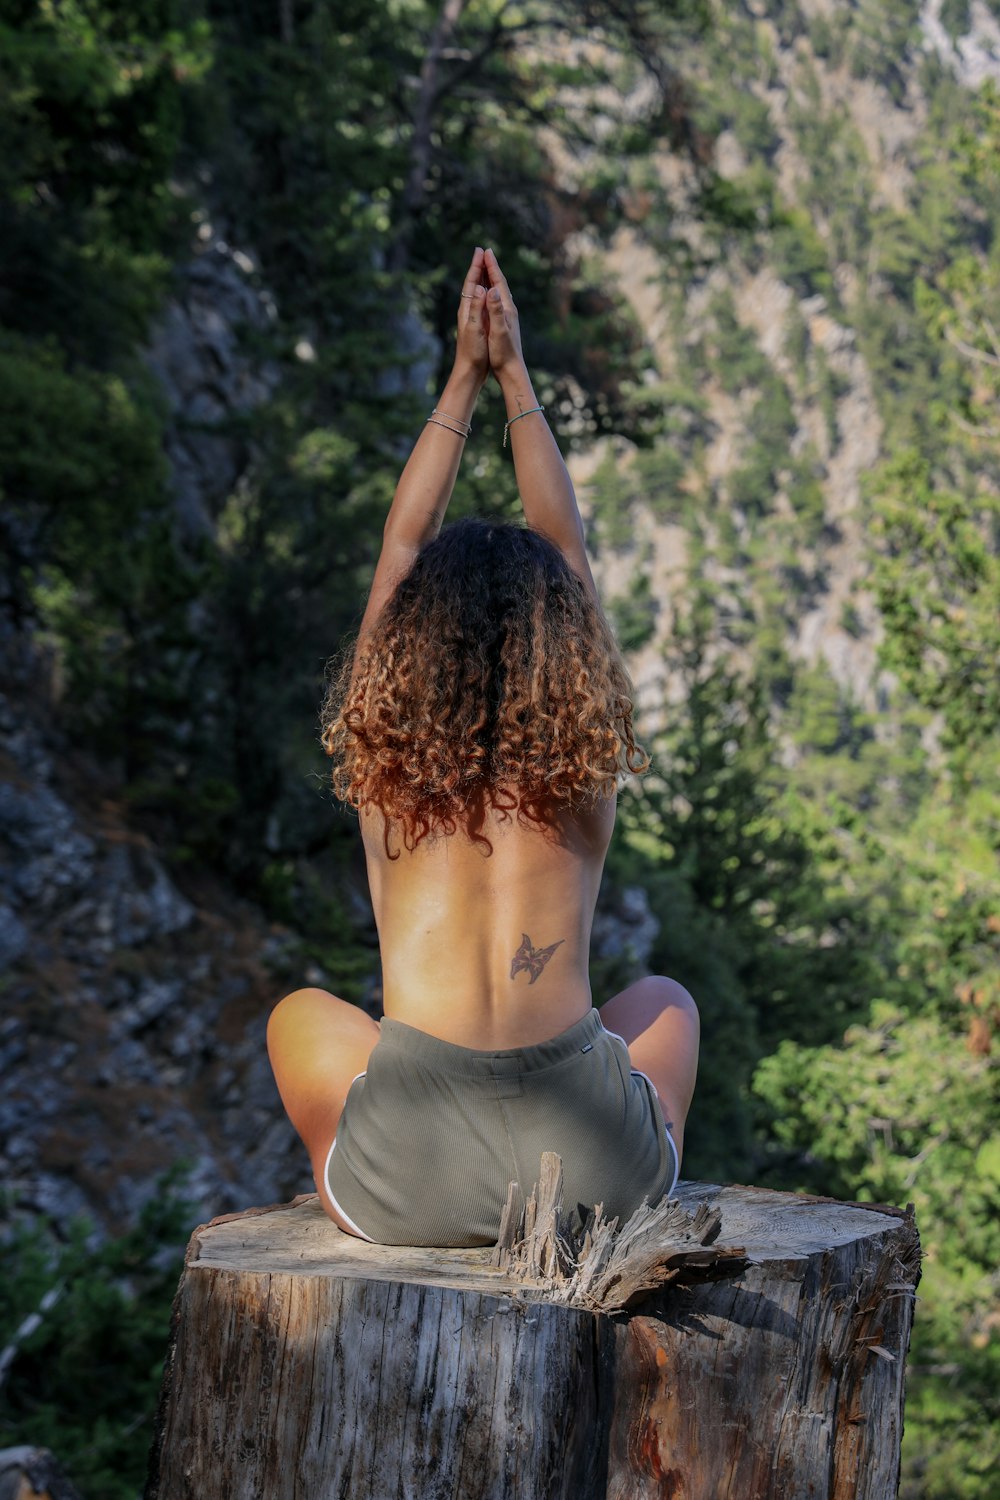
(306, 1362)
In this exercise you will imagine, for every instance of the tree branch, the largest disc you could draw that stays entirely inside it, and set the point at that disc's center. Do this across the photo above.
(971, 352)
(975, 429)
(420, 151)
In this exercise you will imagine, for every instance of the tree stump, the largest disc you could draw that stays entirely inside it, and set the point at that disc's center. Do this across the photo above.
(736, 1342)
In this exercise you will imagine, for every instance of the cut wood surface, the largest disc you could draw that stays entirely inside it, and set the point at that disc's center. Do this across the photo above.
(306, 1362)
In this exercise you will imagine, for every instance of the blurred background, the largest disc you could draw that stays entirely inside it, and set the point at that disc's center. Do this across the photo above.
(755, 249)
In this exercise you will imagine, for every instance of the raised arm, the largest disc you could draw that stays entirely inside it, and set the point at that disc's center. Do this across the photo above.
(425, 485)
(544, 484)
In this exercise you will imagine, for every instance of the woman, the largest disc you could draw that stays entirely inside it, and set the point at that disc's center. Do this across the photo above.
(481, 730)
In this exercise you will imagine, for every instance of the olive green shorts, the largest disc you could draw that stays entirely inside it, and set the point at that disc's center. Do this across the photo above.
(433, 1134)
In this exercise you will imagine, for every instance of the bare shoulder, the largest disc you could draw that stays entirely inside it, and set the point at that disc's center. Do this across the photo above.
(592, 821)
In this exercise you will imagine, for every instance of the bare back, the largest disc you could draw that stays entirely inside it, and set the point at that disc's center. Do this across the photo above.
(488, 947)
(485, 931)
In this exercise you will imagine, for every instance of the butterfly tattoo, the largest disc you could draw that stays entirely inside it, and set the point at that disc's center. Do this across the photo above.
(533, 960)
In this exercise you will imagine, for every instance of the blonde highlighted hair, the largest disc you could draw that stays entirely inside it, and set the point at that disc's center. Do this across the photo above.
(490, 669)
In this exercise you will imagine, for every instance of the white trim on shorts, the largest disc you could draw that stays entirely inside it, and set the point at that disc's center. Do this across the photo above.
(326, 1177)
(677, 1161)
(638, 1073)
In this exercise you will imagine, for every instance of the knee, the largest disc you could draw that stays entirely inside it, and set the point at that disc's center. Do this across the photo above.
(293, 1009)
(672, 994)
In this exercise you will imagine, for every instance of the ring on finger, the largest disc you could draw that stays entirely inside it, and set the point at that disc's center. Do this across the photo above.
(468, 294)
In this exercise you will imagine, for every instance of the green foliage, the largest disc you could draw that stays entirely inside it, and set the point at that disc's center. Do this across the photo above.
(883, 34)
(806, 496)
(634, 613)
(658, 472)
(799, 255)
(829, 387)
(739, 110)
(791, 888)
(902, 1107)
(898, 1102)
(901, 1112)
(314, 898)
(90, 124)
(649, 478)
(750, 887)
(850, 619)
(771, 656)
(96, 497)
(612, 493)
(955, 17)
(937, 576)
(85, 1382)
(174, 656)
(822, 713)
(838, 185)
(105, 469)
(828, 37)
(733, 353)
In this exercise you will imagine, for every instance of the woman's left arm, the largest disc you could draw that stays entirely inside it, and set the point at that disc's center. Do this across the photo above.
(425, 485)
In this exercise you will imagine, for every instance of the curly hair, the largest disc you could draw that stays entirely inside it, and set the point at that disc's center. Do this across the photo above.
(490, 669)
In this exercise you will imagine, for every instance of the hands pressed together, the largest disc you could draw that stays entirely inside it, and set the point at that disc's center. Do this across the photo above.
(489, 337)
(489, 340)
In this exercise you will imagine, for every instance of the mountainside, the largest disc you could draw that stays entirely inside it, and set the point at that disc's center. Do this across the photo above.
(757, 258)
(770, 345)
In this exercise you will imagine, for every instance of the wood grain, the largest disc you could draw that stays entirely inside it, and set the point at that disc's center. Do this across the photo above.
(307, 1363)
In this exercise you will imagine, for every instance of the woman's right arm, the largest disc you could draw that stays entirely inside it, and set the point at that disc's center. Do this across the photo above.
(426, 483)
(544, 484)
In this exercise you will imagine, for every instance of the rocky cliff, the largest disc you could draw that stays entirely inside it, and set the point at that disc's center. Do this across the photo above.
(135, 996)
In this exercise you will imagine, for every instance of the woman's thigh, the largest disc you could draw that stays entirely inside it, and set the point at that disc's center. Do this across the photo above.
(659, 1022)
(318, 1044)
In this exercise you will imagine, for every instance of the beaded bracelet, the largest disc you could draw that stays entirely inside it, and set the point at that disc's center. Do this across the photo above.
(511, 420)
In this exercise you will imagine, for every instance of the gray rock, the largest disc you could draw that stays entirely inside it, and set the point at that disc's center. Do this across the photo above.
(155, 997)
(20, 740)
(20, 1149)
(139, 901)
(13, 936)
(128, 1061)
(418, 353)
(625, 927)
(56, 859)
(192, 1040)
(208, 1186)
(209, 377)
(277, 1166)
(52, 1196)
(257, 1087)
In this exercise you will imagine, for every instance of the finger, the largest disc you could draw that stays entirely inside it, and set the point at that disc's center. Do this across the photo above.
(473, 291)
(474, 275)
(499, 297)
(472, 304)
(498, 281)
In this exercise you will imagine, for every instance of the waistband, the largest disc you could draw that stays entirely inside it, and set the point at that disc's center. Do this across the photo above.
(448, 1057)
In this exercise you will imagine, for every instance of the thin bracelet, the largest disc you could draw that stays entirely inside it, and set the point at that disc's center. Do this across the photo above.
(462, 435)
(459, 422)
(520, 414)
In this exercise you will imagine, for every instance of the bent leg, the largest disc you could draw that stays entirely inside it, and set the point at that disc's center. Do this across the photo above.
(659, 1022)
(318, 1044)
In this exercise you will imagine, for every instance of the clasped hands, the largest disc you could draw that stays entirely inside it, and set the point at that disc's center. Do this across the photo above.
(489, 337)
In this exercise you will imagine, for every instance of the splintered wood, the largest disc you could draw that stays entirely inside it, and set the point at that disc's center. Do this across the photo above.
(606, 1269)
(731, 1342)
